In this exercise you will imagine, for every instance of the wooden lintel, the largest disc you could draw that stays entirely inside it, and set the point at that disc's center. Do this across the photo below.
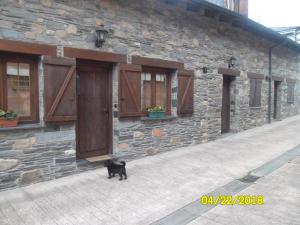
(227, 71)
(94, 55)
(27, 47)
(290, 80)
(255, 75)
(277, 78)
(153, 62)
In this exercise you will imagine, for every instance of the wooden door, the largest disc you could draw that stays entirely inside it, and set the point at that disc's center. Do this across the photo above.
(225, 114)
(276, 92)
(94, 109)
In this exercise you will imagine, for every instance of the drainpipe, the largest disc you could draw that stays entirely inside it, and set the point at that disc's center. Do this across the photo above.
(270, 78)
(270, 84)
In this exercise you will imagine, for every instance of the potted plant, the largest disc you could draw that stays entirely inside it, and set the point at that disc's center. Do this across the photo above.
(156, 112)
(8, 118)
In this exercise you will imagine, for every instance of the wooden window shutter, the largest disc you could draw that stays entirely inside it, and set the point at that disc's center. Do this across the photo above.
(290, 92)
(293, 92)
(255, 92)
(252, 93)
(258, 92)
(185, 94)
(130, 90)
(60, 89)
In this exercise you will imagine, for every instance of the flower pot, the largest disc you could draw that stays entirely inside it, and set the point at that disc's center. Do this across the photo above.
(156, 114)
(8, 123)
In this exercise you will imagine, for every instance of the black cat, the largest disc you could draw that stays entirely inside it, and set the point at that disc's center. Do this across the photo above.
(116, 167)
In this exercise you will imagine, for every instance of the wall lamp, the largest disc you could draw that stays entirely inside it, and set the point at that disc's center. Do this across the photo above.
(204, 69)
(232, 62)
(102, 34)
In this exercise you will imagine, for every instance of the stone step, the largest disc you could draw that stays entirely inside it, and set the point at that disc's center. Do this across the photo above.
(99, 158)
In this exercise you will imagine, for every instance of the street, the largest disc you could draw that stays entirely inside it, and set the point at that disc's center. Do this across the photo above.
(159, 186)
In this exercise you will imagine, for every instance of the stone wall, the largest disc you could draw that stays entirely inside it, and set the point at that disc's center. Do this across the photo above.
(151, 29)
(35, 154)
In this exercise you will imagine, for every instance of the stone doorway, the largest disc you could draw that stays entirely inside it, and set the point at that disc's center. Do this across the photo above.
(228, 102)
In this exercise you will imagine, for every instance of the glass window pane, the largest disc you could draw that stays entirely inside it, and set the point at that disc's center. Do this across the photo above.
(18, 89)
(146, 76)
(146, 91)
(161, 90)
(12, 68)
(146, 100)
(160, 77)
(24, 69)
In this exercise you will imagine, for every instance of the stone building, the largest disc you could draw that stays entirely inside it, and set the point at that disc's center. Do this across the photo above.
(78, 103)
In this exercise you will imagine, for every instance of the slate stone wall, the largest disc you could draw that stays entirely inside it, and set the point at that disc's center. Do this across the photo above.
(35, 154)
(38, 153)
(151, 29)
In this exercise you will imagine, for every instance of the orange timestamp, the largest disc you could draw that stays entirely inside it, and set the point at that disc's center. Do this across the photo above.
(232, 200)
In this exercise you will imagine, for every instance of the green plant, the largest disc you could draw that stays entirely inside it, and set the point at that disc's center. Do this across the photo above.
(157, 108)
(8, 115)
(2, 113)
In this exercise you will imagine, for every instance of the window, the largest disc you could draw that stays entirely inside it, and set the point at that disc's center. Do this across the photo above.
(255, 92)
(232, 5)
(290, 92)
(146, 86)
(141, 87)
(156, 88)
(19, 86)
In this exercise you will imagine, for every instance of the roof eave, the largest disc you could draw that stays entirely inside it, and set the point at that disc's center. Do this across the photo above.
(254, 26)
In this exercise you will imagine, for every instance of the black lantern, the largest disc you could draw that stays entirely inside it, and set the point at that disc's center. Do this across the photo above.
(232, 62)
(101, 36)
(204, 69)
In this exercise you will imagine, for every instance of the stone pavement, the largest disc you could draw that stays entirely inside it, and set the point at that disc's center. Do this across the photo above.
(281, 191)
(234, 189)
(161, 184)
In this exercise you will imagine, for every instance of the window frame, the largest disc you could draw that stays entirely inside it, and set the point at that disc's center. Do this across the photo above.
(153, 71)
(34, 103)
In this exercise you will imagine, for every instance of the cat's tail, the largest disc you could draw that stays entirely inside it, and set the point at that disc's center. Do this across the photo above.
(123, 163)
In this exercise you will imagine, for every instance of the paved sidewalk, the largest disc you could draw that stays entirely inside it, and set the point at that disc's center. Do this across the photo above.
(156, 186)
(281, 191)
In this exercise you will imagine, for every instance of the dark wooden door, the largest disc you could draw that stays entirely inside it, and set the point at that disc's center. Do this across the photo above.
(276, 90)
(94, 109)
(225, 114)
